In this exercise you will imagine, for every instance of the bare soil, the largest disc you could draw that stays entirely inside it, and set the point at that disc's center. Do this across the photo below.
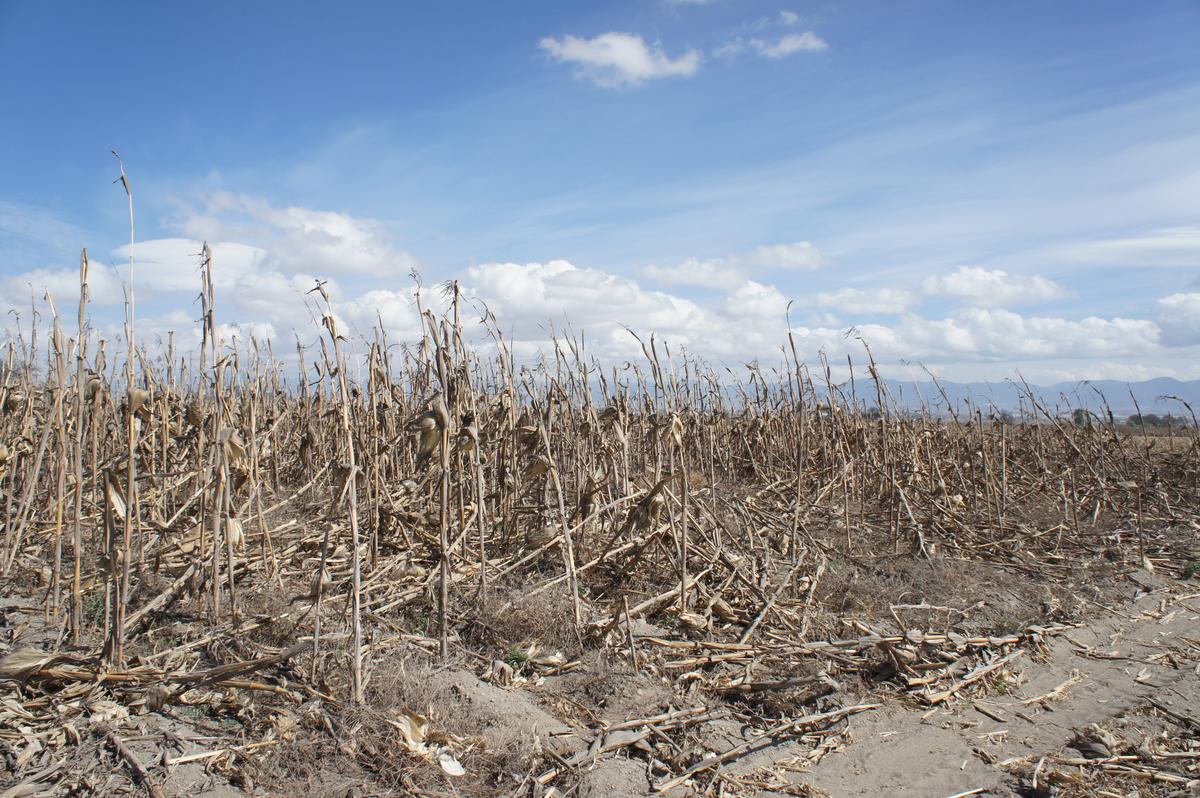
(1106, 670)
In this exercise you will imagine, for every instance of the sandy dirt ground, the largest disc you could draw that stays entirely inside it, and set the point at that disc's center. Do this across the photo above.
(1141, 655)
(1149, 650)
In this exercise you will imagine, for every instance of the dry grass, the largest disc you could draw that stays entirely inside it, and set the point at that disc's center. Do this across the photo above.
(366, 751)
(1148, 754)
(441, 505)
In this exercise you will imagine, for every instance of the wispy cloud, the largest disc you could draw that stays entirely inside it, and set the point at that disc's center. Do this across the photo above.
(800, 255)
(713, 273)
(619, 59)
(31, 235)
(766, 46)
(730, 49)
(868, 300)
(1173, 246)
(789, 44)
(734, 269)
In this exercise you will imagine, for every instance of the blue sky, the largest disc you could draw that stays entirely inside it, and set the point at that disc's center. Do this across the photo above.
(978, 187)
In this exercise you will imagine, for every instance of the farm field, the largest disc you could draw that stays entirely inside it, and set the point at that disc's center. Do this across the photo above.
(362, 568)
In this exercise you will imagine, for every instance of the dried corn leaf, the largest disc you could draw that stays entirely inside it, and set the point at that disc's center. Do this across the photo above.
(24, 662)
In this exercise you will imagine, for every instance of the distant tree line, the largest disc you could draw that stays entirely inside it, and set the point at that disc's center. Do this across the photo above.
(1155, 420)
(1084, 418)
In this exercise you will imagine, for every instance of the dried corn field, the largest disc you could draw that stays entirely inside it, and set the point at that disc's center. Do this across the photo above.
(370, 567)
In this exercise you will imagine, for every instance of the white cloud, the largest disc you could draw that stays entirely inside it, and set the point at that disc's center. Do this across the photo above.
(1172, 246)
(273, 295)
(532, 294)
(1179, 316)
(298, 238)
(989, 333)
(173, 264)
(162, 266)
(730, 49)
(265, 262)
(619, 59)
(867, 300)
(993, 288)
(749, 321)
(714, 273)
(731, 271)
(823, 320)
(745, 321)
(789, 44)
(158, 328)
(800, 255)
(267, 259)
(104, 286)
(530, 298)
(264, 279)
(396, 310)
(237, 334)
(245, 281)
(756, 301)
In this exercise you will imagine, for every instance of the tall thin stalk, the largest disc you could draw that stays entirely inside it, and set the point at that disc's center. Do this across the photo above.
(133, 425)
(351, 490)
(81, 388)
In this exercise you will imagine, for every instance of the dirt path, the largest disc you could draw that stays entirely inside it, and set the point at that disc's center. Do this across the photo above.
(1146, 650)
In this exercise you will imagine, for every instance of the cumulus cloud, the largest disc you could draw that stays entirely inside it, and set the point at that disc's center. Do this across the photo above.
(104, 285)
(530, 294)
(619, 59)
(395, 310)
(274, 295)
(745, 321)
(265, 262)
(789, 44)
(748, 320)
(158, 328)
(753, 300)
(161, 266)
(993, 332)
(264, 284)
(1179, 316)
(231, 334)
(173, 264)
(167, 270)
(993, 288)
(297, 238)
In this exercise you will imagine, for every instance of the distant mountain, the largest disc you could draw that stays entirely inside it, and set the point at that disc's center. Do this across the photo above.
(1123, 398)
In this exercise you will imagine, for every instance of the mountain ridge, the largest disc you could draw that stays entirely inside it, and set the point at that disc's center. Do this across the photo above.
(1123, 398)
